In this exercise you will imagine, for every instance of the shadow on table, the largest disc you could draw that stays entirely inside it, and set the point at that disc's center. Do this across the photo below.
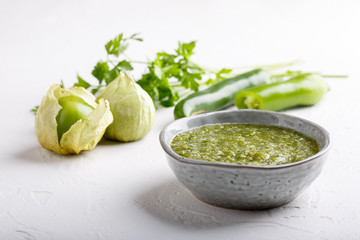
(37, 154)
(173, 204)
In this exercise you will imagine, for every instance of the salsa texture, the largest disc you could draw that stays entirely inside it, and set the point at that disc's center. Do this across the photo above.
(244, 144)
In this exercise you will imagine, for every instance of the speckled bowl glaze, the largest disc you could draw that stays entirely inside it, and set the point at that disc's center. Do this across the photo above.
(246, 187)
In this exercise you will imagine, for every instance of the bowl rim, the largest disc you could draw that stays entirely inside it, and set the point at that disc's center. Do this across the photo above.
(174, 155)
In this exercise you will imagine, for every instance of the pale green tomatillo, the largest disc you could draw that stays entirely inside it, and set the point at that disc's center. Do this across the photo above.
(69, 121)
(73, 109)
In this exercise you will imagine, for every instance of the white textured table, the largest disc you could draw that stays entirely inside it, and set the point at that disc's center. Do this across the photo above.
(127, 191)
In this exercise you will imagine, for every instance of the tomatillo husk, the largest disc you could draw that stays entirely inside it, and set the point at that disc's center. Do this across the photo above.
(69, 120)
(132, 108)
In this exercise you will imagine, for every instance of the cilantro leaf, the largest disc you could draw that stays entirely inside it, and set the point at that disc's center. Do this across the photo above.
(82, 83)
(62, 85)
(100, 70)
(189, 81)
(186, 49)
(96, 89)
(111, 75)
(119, 44)
(34, 109)
(124, 65)
(169, 71)
(113, 47)
(219, 76)
(167, 96)
(134, 37)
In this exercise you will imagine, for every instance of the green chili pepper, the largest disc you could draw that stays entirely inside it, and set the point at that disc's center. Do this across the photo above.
(302, 90)
(73, 109)
(221, 94)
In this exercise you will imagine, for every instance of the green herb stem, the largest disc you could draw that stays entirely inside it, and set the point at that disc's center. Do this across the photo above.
(335, 76)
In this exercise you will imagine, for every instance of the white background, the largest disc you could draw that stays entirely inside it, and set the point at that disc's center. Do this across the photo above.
(127, 191)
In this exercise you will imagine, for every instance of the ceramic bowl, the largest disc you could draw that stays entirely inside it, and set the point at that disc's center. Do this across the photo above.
(246, 187)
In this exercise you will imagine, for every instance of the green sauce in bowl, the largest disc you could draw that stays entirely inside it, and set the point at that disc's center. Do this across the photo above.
(244, 144)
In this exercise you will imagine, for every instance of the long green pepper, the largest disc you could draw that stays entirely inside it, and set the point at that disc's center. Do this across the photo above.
(302, 90)
(221, 94)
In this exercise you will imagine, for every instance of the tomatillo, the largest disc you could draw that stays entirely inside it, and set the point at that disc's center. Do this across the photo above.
(132, 108)
(73, 109)
(70, 120)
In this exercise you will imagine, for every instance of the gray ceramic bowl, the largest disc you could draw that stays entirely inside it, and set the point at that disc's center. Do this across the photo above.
(246, 187)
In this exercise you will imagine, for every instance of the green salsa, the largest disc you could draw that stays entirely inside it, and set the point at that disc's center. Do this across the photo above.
(244, 144)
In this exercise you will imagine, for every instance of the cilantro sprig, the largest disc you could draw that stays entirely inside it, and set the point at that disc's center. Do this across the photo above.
(170, 73)
(165, 78)
(108, 70)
